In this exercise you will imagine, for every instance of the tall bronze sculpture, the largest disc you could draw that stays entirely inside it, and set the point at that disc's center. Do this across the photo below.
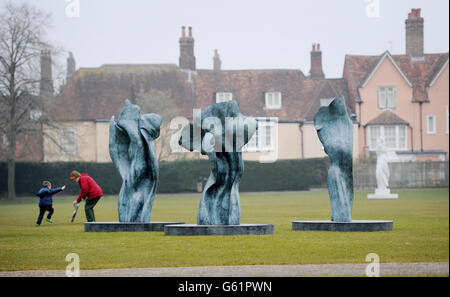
(133, 153)
(220, 131)
(335, 131)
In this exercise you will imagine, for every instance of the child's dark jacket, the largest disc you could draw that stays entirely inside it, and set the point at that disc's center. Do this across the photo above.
(46, 195)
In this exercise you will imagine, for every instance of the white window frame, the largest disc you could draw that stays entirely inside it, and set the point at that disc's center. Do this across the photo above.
(372, 143)
(258, 141)
(326, 101)
(388, 105)
(263, 128)
(64, 144)
(372, 146)
(223, 97)
(431, 129)
(273, 100)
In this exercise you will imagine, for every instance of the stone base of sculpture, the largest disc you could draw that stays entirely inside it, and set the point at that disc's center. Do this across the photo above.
(353, 226)
(195, 230)
(126, 226)
(382, 194)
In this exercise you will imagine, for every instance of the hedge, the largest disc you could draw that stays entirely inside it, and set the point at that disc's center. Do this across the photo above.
(174, 177)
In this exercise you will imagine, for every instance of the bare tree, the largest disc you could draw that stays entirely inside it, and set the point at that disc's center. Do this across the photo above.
(23, 108)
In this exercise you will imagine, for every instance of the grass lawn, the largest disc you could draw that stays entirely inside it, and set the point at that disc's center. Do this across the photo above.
(421, 233)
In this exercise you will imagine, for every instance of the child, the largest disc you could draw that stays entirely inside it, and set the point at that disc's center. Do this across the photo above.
(46, 202)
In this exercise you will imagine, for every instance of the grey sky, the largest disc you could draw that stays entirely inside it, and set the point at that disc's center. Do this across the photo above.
(249, 34)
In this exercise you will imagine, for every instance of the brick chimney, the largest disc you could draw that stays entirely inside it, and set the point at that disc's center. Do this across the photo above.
(187, 58)
(46, 83)
(316, 71)
(216, 61)
(70, 66)
(414, 34)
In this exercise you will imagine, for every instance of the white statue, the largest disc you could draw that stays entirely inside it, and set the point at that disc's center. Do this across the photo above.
(382, 173)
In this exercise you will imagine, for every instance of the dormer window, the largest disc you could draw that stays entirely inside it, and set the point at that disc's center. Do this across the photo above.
(273, 100)
(223, 97)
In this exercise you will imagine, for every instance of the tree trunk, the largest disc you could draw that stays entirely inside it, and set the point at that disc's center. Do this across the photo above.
(11, 156)
(11, 179)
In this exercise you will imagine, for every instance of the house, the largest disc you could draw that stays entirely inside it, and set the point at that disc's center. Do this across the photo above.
(283, 100)
(403, 98)
(93, 95)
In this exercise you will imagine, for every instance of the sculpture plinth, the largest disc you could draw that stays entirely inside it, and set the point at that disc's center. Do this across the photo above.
(335, 131)
(382, 194)
(220, 131)
(127, 227)
(196, 230)
(133, 154)
(353, 226)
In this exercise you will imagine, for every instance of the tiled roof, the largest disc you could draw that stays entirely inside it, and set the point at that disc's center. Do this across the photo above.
(99, 93)
(440, 63)
(387, 117)
(420, 72)
(356, 70)
(249, 88)
(328, 88)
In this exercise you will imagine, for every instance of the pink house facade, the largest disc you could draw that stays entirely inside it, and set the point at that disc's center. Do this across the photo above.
(402, 98)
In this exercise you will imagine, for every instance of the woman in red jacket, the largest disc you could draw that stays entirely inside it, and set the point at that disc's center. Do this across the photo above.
(90, 190)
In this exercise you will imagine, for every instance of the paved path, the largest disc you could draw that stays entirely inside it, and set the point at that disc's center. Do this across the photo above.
(386, 269)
